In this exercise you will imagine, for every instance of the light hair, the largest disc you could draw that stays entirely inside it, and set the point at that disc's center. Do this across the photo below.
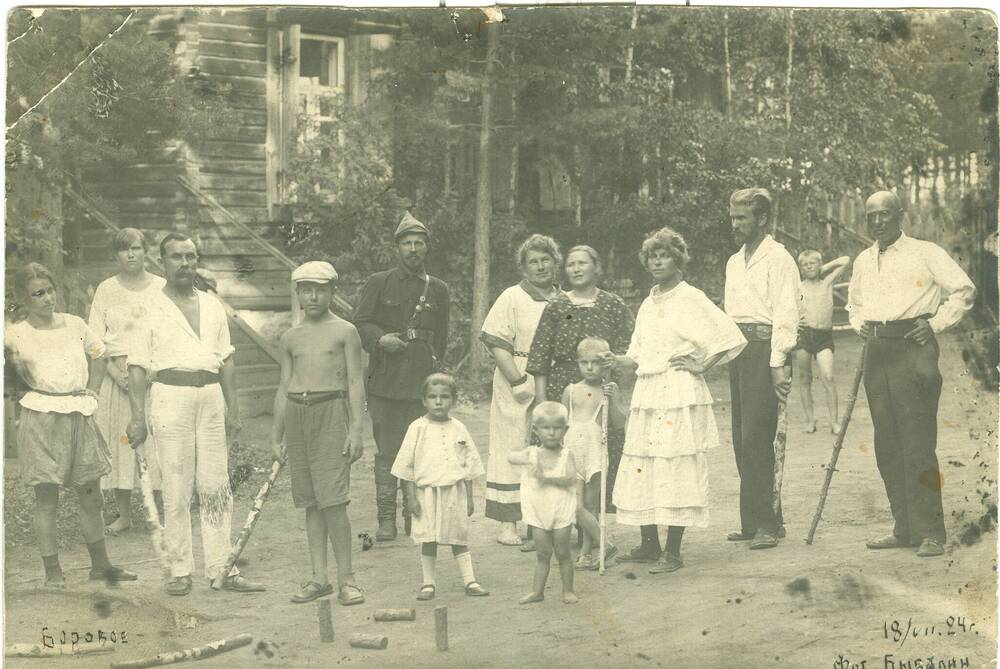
(810, 254)
(32, 270)
(126, 237)
(595, 257)
(439, 379)
(595, 344)
(758, 199)
(542, 244)
(669, 240)
(549, 411)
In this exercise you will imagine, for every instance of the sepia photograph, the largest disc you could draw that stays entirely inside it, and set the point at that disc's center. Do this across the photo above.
(552, 336)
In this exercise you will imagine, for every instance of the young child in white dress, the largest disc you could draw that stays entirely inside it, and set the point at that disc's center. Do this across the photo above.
(551, 483)
(437, 463)
(584, 402)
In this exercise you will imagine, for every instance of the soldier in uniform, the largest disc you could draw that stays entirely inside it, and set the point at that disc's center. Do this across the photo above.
(402, 317)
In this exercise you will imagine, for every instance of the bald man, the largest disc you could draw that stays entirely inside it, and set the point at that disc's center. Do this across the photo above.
(895, 302)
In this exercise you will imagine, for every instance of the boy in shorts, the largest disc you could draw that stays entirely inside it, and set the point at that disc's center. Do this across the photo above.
(317, 412)
(816, 331)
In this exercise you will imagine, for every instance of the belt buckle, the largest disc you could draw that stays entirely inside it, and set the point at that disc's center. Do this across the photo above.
(411, 334)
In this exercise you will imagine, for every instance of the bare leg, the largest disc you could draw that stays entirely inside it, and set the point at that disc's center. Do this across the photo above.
(585, 510)
(803, 363)
(824, 359)
(46, 503)
(317, 534)
(123, 499)
(543, 556)
(561, 538)
(91, 511)
(338, 526)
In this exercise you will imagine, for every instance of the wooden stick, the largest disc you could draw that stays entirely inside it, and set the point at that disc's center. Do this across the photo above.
(780, 437)
(40, 650)
(200, 653)
(152, 514)
(241, 541)
(441, 627)
(325, 615)
(859, 372)
(371, 641)
(389, 615)
(604, 482)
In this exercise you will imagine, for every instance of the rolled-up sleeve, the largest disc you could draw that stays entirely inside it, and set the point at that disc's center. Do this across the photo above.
(784, 286)
(949, 275)
(498, 328)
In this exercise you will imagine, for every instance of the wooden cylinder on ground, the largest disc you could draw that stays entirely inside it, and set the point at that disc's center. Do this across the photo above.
(389, 615)
(372, 641)
(441, 627)
(325, 614)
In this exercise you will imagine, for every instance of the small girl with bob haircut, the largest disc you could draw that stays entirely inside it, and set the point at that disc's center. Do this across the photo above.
(437, 463)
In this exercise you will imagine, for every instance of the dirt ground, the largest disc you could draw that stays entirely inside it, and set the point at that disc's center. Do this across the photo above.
(795, 606)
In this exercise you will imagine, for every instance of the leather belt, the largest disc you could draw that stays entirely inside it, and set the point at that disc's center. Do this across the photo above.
(520, 354)
(185, 378)
(755, 331)
(71, 393)
(308, 398)
(893, 329)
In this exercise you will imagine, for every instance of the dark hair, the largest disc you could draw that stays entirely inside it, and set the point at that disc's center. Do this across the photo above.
(32, 270)
(438, 379)
(173, 237)
(669, 240)
(542, 244)
(126, 237)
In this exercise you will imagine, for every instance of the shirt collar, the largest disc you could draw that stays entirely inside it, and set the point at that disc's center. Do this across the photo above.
(900, 242)
(656, 292)
(536, 294)
(762, 250)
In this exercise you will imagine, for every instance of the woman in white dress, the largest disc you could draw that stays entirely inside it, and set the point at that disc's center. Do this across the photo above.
(679, 335)
(507, 332)
(119, 306)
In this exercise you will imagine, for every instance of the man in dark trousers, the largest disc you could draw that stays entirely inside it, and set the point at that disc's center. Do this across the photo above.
(762, 293)
(894, 301)
(402, 317)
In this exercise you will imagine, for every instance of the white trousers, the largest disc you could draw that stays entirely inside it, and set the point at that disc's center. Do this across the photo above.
(189, 430)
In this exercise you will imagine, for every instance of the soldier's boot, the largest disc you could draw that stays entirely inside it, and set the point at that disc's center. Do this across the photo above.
(385, 500)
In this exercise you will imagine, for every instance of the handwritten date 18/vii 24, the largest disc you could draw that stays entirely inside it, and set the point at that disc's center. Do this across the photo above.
(899, 631)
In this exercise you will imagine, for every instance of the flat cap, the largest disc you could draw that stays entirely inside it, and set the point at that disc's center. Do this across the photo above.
(315, 271)
(410, 224)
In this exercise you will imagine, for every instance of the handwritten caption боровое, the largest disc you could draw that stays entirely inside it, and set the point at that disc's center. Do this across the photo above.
(76, 639)
(898, 632)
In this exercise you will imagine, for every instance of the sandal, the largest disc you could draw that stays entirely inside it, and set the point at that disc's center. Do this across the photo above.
(666, 564)
(528, 546)
(475, 590)
(586, 563)
(888, 541)
(350, 594)
(311, 591)
(426, 592)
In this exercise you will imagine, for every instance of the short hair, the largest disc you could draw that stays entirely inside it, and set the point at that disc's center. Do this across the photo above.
(589, 250)
(438, 379)
(758, 199)
(174, 237)
(542, 244)
(553, 411)
(666, 239)
(592, 344)
(32, 270)
(126, 237)
(810, 254)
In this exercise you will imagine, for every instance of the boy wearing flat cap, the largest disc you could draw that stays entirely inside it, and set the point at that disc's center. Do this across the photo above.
(318, 413)
(402, 317)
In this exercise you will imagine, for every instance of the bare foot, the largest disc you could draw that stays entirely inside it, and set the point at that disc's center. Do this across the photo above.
(570, 598)
(531, 598)
(120, 525)
(810, 427)
(835, 428)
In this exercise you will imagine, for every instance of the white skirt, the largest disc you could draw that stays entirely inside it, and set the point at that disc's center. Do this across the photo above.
(444, 516)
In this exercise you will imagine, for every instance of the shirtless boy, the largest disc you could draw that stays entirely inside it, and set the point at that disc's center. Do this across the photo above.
(317, 411)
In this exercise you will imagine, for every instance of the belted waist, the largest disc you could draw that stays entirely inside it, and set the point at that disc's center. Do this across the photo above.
(421, 334)
(309, 398)
(183, 377)
(755, 331)
(893, 329)
(72, 393)
(520, 354)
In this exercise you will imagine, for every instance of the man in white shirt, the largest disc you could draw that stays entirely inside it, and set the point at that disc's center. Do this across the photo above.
(185, 348)
(895, 302)
(761, 295)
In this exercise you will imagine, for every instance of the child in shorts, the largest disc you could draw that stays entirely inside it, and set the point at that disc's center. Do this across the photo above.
(318, 416)
(584, 402)
(551, 484)
(437, 463)
(816, 331)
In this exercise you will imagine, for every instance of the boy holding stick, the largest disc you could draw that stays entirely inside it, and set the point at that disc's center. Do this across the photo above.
(317, 412)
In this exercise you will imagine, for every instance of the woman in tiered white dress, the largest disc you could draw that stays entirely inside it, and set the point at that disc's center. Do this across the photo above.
(679, 335)
(118, 309)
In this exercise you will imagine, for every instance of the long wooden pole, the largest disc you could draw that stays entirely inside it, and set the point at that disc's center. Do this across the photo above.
(859, 372)
(252, 517)
(780, 437)
(200, 653)
(604, 481)
(152, 514)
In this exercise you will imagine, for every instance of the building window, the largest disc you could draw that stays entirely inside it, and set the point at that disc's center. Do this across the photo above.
(321, 62)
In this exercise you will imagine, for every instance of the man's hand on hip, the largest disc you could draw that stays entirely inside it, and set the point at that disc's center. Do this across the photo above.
(921, 332)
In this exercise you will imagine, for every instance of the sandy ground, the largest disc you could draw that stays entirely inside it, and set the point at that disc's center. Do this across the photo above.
(795, 606)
